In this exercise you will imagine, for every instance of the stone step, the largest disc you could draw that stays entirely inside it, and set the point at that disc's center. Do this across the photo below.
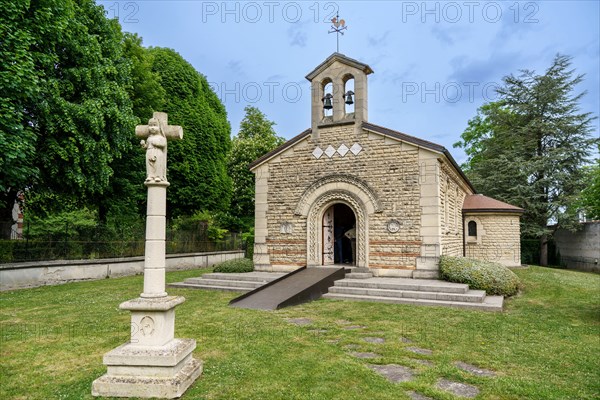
(224, 283)
(255, 276)
(472, 296)
(425, 274)
(208, 287)
(424, 285)
(490, 303)
(359, 275)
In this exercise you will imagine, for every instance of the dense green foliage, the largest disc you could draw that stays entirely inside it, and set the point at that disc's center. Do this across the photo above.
(589, 200)
(248, 240)
(197, 164)
(529, 148)
(19, 89)
(72, 88)
(125, 197)
(71, 104)
(492, 277)
(255, 138)
(235, 266)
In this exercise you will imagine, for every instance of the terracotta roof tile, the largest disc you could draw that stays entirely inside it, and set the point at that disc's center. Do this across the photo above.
(481, 203)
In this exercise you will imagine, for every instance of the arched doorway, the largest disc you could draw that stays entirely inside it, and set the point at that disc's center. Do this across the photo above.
(339, 235)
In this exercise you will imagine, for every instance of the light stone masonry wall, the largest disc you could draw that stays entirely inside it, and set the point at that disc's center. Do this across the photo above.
(452, 196)
(389, 167)
(498, 238)
(41, 273)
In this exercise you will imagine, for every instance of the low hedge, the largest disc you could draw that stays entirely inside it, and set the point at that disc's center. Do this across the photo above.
(237, 265)
(492, 277)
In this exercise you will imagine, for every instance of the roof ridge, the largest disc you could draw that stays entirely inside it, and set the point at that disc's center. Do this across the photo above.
(405, 134)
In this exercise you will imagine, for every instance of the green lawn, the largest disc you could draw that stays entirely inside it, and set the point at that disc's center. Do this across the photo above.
(546, 345)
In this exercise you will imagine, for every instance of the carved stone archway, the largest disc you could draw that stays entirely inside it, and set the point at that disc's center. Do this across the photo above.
(323, 193)
(315, 224)
(345, 182)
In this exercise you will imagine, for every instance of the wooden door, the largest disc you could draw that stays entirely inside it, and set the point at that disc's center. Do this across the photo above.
(328, 237)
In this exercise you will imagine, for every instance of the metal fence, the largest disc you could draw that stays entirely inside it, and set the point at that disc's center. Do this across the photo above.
(103, 242)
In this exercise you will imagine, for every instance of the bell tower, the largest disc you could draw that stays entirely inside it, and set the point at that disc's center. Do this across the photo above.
(338, 93)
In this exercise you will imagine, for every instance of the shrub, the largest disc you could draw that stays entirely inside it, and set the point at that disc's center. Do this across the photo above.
(248, 242)
(237, 265)
(492, 277)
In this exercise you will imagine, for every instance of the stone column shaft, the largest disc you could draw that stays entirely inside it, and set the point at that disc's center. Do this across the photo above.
(154, 262)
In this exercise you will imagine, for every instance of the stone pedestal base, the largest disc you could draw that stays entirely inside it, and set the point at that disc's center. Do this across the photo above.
(164, 372)
(153, 363)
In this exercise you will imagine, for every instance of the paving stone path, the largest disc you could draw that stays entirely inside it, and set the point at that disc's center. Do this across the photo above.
(358, 354)
(374, 340)
(299, 321)
(423, 362)
(398, 373)
(394, 373)
(457, 388)
(353, 327)
(418, 396)
(419, 350)
(474, 370)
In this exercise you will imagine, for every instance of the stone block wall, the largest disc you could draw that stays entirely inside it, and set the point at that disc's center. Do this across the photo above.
(498, 238)
(389, 167)
(580, 250)
(452, 196)
(40, 273)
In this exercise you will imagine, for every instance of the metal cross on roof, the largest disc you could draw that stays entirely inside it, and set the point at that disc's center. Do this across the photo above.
(338, 25)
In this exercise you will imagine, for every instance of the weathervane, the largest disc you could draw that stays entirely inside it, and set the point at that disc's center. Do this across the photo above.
(338, 26)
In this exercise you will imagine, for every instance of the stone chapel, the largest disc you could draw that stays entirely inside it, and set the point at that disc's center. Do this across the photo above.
(347, 191)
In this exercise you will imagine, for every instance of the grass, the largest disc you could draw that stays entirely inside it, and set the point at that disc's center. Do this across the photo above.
(545, 345)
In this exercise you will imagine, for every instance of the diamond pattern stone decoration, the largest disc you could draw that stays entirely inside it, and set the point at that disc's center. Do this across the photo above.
(330, 151)
(342, 150)
(317, 152)
(356, 148)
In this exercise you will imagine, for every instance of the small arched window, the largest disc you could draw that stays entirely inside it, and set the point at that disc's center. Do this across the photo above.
(348, 94)
(327, 99)
(472, 228)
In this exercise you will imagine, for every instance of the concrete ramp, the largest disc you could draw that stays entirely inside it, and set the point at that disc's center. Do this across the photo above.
(300, 286)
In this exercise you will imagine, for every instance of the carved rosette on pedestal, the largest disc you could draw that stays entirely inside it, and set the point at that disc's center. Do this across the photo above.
(153, 363)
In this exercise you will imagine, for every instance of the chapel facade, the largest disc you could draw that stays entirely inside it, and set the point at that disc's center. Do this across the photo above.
(350, 192)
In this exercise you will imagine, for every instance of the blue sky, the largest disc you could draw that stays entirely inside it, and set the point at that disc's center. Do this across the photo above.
(435, 62)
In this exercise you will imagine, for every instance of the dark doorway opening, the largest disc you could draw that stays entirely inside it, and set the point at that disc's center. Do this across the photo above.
(344, 223)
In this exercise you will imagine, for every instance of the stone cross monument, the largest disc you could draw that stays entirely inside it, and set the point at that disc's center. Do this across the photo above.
(153, 363)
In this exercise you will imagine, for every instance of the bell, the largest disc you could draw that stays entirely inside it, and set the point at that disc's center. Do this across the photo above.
(327, 104)
(349, 99)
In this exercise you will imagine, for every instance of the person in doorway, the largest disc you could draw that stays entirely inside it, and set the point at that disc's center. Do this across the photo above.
(339, 248)
(351, 234)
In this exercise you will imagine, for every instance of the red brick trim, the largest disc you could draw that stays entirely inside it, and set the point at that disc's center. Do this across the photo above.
(384, 266)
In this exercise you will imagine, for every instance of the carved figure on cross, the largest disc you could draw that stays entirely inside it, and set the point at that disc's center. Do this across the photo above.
(154, 139)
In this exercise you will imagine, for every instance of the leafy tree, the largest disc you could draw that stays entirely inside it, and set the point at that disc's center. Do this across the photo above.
(197, 164)
(529, 148)
(125, 197)
(255, 138)
(589, 201)
(68, 114)
(19, 88)
(146, 93)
